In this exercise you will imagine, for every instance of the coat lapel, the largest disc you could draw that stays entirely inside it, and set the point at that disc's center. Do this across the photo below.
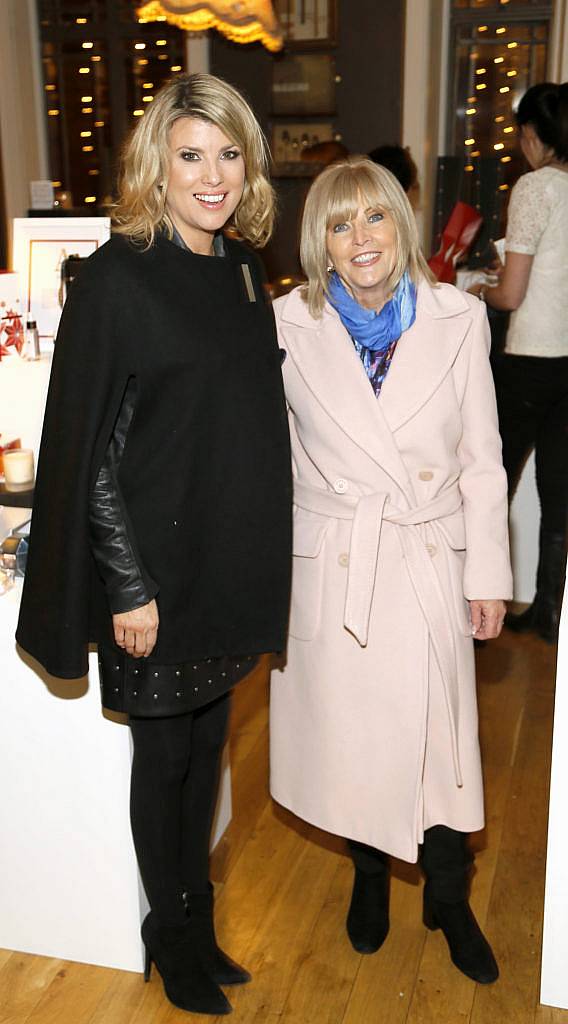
(326, 358)
(424, 353)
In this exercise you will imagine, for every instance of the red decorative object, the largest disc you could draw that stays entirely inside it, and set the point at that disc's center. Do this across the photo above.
(457, 236)
(11, 333)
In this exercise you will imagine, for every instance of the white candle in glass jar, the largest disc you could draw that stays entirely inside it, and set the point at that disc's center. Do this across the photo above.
(18, 467)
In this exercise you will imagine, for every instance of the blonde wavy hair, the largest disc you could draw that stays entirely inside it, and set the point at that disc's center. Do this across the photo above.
(334, 197)
(141, 207)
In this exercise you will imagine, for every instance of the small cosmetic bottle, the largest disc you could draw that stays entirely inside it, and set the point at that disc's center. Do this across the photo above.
(31, 344)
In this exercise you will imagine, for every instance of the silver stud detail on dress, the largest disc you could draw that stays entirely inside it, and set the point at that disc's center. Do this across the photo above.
(209, 681)
(116, 689)
(156, 674)
(178, 693)
(155, 696)
(196, 689)
(223, 674)
(136, 671)
(178, 673)
(135, 693)
(194, 667)
(117, 668)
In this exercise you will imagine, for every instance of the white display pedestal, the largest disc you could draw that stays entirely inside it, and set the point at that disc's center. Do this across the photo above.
(69, 883)
(554, 976)
(524, 523)
(68, 877)
(23, 390)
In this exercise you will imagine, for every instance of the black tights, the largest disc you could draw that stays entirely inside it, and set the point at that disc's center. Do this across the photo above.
(444, 857)
(175, 776)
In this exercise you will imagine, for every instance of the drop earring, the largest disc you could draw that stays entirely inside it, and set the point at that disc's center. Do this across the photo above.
(330, 268)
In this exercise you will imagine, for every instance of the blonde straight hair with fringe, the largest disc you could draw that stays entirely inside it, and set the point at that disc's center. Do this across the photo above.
(141, 207)
(335, 196)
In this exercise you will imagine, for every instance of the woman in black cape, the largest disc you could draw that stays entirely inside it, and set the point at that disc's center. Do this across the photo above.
(161, 525)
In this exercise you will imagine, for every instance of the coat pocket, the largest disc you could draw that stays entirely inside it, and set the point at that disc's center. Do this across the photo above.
(309, 531)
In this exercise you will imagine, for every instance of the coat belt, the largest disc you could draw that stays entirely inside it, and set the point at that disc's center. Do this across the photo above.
(368, 513)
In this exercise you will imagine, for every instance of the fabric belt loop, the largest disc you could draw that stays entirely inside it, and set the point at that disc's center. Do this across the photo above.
(365, 537)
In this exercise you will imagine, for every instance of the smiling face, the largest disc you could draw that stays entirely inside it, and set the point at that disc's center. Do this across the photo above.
(363, 252)
(205, 182)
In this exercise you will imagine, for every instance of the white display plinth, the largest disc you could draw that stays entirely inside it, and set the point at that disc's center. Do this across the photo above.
(23, 390)
(524, 524)
(68, 877)
(554, 976)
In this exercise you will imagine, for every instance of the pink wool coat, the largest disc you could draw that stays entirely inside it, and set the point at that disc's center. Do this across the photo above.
(400, 515)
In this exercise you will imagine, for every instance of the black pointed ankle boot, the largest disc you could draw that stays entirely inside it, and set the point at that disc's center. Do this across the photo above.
(446, 861)
(543, 615)
(217, 964)
(368, 917)
(186, 983)
(469, 949)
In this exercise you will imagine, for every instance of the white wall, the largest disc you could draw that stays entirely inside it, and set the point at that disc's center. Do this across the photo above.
(424, 100)
(554, 976)
(558, 59)
(22, 125)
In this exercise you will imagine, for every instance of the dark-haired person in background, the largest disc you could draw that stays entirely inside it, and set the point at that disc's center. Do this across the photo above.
(398, 161)
(532, 375)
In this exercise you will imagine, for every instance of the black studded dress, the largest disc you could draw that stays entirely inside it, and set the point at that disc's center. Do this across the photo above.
(142, 688)
(135, 685)
(166, 414)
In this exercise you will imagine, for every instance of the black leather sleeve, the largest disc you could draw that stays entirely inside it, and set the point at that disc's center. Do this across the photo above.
(127, 584)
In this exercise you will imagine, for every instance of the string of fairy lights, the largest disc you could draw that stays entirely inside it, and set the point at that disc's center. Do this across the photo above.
(88, 139)
(499, 53)
(495, 66)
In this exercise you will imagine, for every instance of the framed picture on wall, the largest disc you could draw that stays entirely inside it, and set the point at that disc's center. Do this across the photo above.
(40, 247)
(307, 22)
(303, 85)
(290, 138)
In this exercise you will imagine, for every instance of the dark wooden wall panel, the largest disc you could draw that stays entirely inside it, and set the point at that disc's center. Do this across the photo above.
(370, 60)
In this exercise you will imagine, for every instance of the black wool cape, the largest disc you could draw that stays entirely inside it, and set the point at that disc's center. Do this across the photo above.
(205, 475)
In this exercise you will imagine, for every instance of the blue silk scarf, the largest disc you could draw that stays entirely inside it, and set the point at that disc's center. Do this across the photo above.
(375, 334)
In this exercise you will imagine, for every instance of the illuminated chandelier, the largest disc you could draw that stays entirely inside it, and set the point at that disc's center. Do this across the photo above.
(242, 21)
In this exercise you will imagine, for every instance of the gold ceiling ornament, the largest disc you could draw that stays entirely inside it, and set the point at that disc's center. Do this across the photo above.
(242, 21)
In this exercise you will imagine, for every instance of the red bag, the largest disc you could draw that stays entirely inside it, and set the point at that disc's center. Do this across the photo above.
(457, 236)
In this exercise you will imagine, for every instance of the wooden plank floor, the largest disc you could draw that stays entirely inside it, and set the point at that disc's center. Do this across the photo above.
(283, 888)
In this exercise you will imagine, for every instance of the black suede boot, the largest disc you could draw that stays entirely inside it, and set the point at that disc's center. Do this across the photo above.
(368, 916)
(446, 862)
(215, 962)
(469, 949)
(543, 615)
(187, 985)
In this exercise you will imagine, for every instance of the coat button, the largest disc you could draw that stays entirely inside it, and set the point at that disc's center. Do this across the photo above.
(340, 486)
(343, 559)
(425, 474)
(431, 549)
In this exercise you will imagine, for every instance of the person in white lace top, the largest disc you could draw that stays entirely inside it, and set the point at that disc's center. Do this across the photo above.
(532, 375)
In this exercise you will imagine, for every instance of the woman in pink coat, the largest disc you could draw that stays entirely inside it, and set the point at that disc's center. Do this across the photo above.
(400, 555)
